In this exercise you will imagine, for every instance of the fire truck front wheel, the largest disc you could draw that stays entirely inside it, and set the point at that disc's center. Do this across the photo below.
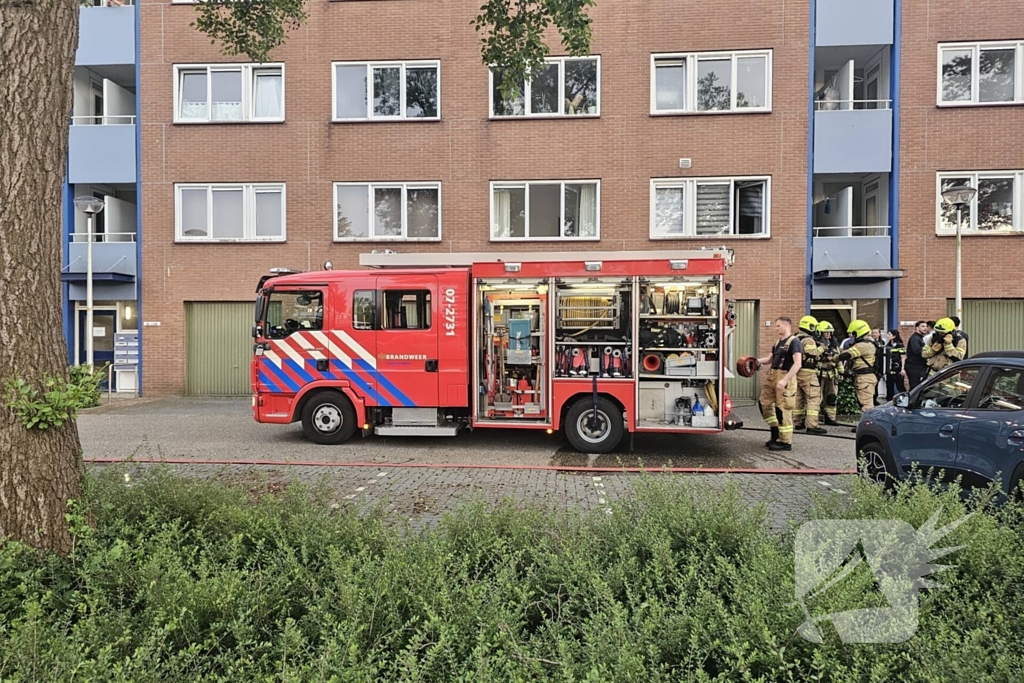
(328, 418)
(594, 434)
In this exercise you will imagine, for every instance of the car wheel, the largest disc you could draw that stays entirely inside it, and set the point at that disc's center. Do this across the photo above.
(875, 465)
(328, 418)
(600, 435)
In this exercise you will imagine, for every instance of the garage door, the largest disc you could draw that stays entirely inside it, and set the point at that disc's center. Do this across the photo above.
(218, 348)
(992, 324)
(744, 344)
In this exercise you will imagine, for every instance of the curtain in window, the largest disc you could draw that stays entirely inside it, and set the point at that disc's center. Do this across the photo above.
(502, 213)
(750, 208)
(588, 211)
(712, 208)
(268, 96)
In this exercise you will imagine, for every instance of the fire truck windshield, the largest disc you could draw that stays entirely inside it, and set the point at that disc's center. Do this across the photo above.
(289, 312)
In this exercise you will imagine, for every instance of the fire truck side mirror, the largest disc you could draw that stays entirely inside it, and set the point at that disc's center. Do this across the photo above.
(256, 331)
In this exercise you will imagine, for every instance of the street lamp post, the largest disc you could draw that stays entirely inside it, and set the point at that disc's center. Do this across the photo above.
(959, 197)
(90, 206)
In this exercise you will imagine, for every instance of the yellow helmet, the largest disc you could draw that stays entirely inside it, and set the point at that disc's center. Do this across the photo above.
(945, 326)
(808, 323)
(825, 326)
(859, 328)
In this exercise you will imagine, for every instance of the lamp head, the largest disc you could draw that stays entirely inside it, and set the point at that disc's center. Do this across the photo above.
(89, 205)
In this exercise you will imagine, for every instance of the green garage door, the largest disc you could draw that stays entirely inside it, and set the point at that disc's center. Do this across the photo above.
(218, 348)
(744, 344)
(992, 324)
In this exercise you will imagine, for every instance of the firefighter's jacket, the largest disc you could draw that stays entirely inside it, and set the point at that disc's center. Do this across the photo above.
(944, 351)
(861, 357)
(811, 352)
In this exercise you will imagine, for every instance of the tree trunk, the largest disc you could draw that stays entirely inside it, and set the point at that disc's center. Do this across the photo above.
(40, 470)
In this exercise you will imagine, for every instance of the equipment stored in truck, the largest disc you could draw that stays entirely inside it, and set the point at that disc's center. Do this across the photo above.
(597, 345)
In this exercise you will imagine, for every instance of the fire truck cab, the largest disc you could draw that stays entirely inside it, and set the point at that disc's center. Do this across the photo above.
(595, 344)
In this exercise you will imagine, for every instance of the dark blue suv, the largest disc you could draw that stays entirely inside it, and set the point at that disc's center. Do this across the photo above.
(966, 421)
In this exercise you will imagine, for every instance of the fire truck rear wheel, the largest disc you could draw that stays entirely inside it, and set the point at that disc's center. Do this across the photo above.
(328, 418)
(602, 436)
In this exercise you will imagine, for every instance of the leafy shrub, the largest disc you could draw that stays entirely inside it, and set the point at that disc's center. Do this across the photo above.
(88, 384)
(57, 402)
(194, 581)
(846, 398)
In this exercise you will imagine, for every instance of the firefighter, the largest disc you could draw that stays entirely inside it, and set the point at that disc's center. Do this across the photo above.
(779, 388)
(946, 347)
(828, 373)
(808, 395)
(861, 357)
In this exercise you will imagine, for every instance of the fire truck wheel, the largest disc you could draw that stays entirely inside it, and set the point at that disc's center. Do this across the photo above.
(328, 418)
(601, 436)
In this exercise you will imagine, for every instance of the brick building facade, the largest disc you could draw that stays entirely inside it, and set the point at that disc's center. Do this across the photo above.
(631, 142)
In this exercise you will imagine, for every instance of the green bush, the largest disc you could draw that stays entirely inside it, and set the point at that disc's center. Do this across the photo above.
(56, 401)
(846, 398)
(180, 581)
(88, 384)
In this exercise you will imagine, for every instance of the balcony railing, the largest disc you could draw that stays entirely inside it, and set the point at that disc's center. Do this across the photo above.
(853, 231)
(105, 3)
(103, 237)
(848, 105)
(108, 120)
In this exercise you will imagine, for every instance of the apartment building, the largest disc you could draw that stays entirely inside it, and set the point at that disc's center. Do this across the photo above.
(776, 129)
(103, 163)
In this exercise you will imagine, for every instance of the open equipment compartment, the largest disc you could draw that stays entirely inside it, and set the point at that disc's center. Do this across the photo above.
(593, 328)
(679, 349)
(512, 372)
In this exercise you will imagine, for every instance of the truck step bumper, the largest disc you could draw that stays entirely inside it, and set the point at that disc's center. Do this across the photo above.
(392, 430)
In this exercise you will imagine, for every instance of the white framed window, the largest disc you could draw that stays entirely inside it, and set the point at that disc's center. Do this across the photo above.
(711, 207)
(409, 212)
(990, 73)
(566, 86)
(687, 83)
(229, 212)
(232, 93)
(995, 208)
(545, 210)
(386, 91)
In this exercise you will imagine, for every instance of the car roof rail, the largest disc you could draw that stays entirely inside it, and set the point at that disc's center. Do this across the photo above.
(998, 354)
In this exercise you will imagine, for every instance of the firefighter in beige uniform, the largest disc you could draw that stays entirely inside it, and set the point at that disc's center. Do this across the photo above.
(860, 359)
(808, 395)
(779, 388)
(827, 372)
(947, 346)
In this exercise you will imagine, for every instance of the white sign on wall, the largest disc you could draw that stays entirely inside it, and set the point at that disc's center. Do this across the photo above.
(99, 332)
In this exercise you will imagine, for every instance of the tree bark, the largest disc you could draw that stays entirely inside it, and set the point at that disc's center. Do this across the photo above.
(40, 470)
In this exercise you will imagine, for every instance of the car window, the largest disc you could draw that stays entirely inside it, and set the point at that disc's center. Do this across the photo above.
(949, 390)
(1004, 390)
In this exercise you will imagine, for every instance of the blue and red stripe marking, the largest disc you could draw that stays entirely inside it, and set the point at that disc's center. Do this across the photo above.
(291, 377)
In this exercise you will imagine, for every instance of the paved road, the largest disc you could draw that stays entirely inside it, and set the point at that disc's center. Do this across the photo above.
(223, 429)
(421, 495)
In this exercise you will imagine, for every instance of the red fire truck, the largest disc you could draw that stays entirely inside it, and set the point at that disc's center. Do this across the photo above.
(597, 344)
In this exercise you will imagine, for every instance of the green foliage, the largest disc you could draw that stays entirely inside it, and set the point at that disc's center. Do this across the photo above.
(192, 581)
(56, 402)
(846, 398)
(513, 41)
(89, 383)
(249, 27)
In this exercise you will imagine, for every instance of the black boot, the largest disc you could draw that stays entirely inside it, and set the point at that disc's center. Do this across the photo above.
(816, 430)
(830, 422)
(799, 427)
(774, 439)
(779, 446)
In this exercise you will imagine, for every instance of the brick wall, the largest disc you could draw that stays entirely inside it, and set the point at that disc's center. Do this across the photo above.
(624, 148)
(936, 139)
